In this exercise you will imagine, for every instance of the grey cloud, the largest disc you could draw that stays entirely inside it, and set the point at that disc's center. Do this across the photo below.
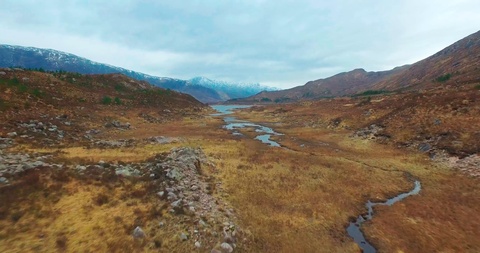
(274, 42)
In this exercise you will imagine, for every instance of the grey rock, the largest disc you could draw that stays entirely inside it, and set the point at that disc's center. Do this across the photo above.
(226, 248)
(138, 233)
(12, 134)
(424, 147)
(3, 180)
(198, 244)
(176, 203)
(161, 194)
(183, 236)
(2, 73)
(174, 174)
(171, 196)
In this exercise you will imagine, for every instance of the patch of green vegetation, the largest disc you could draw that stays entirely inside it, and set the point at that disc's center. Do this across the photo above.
(120, 87)
(117, 101)
(37, 92)
(281, 100)
(370, 93)
(22, 88)
(82, 100)
(443, 78)
(266, 100)
(477, 86)
(106, 100)
(3, 105)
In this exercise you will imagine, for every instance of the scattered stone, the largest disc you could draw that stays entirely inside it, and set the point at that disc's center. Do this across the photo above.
(183, 236)
(3, 180)
(226, 248)
(161, 194)
(424, 147)
(138, 233)
(198, 245)
(12, 134)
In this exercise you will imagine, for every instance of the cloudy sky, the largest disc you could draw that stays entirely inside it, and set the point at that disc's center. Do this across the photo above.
(279, 43)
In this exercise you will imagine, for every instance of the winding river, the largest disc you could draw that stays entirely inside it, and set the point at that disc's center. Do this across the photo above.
(233, 124)
(354, 228)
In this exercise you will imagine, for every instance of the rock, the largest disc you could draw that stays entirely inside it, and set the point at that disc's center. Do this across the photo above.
(161, 194)
(3, 180)
(183, 236)
(138, 233)
(226, 248)
(437, 122)
(174, 174)
(80, 168)
(161, 224)
(171, 196)
(424, 147)
(2, 73)
(198, 245)
(12, 134)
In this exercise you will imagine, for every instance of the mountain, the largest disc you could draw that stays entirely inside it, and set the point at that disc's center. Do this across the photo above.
(53, 60)
(456, 64)
(229, 90)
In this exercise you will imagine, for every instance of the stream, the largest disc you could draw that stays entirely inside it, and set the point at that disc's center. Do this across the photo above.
(353, 230)
(233, 124)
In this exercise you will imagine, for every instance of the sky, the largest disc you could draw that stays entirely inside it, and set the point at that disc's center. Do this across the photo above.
(279, 43)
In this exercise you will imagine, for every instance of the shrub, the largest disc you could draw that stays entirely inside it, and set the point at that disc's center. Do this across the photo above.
(477, 87)
(106, 100)
(22, 88)
(119, 87)
(443, 78)
(370, 93)
(117, 101)
(37, 92)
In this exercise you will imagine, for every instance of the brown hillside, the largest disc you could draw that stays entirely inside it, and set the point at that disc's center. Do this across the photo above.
(77, 103)
(458, 63)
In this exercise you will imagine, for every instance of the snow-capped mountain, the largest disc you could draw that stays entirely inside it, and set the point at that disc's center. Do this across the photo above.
(52, 60)
(230, 90)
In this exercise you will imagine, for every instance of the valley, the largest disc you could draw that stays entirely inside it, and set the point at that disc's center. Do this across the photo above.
(81, 174)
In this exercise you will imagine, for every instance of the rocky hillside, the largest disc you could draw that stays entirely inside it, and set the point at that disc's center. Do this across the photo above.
(73, 100)
(458, 63)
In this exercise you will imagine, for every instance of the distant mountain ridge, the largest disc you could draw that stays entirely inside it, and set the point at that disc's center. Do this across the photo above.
(49, 59)
(458, 63)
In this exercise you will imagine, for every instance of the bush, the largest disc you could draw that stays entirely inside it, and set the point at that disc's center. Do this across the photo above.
(106, 100)
(370, 93)
(477, 87)
(117, 101)
(37, 92)
(443, 78)
(119, 87)
(22, 88)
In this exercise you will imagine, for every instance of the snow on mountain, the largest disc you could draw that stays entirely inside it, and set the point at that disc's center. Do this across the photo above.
(230, 90)
(203, 89)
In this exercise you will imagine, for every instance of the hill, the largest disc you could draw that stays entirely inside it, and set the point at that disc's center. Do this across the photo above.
(85, 101)
(205, 90)
(457, 63)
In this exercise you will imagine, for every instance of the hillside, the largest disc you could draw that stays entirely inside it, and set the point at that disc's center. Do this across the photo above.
(205, 90)
(83, 99)
(457, 63)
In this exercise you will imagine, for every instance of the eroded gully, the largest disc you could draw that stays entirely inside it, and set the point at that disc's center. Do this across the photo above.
(354, 229)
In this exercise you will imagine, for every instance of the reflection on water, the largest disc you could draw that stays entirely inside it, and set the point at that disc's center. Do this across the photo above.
(233, 124)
